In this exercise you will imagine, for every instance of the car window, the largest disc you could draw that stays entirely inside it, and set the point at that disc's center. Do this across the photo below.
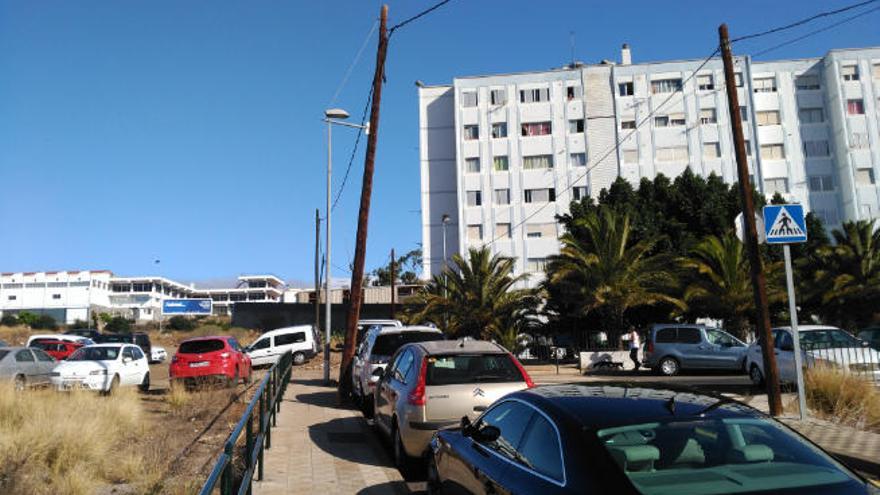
(24, 356)
(95, 354)
(832, 338)
(3, 354)
(142, 340)
(511, 418)
(42, 356)
(665, 336)
(718, 337)
(260, 344)
(127, 353)
(290, 338)
(234, 344)
(387, 343)
(201, 346)
(472, 368)
(137, 353)
(540, 449)
(688, 336)
(403, 366)
(783, 339)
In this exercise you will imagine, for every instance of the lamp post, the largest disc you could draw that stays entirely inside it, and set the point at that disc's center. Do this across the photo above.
(331, 116)
(444, 220)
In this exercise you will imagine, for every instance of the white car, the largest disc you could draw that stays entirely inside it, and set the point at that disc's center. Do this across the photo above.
(821, 345)
(299, 340)
(158, 354)
(103, 368)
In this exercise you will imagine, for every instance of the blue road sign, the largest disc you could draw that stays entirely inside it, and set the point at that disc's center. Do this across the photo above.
(785, 224)
(186, 307)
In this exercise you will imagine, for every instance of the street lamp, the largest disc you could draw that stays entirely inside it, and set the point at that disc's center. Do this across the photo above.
(445, 221)
(331, 116)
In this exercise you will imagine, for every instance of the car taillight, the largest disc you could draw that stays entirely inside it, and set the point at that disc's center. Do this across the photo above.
(650, 347)
(525, 375)
(418, 397)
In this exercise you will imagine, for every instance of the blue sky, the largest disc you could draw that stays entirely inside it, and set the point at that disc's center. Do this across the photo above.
(190, 131)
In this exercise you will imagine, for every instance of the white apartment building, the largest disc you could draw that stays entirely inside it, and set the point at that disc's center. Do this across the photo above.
(502, 155)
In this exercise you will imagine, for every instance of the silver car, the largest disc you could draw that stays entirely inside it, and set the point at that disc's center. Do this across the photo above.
(25, 367)
(432, 385)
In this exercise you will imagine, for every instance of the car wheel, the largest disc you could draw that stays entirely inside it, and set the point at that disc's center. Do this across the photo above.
(434, 486)
(299, 358)
(20, 383)
(668, 366)
(756, 376)
(145, 383)
(401, 459)
(367, 406)
(114, 384)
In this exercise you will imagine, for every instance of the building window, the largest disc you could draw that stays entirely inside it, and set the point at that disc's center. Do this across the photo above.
(539, 230)
(502, 231)
(475, 232)
(573, 92)
(628, 124)
(625, 88)
(705, 82)
(578, 159)
(744, 114)
(816, 148)
(471, 132)
(708, 116)
(537, 162)
(579, 192)
(502, 196)
(672, 154)
(811, 115)
(820, 183)
(472, 165)
(534, 95)
(859, 141)
(498, 97)
(540, 195)
(765, 85)
(12, 298)
(665, 86)
(536, 129)
(500, 163)
(769, 117)
(773, 186)
(474, 198)
(864, 177)
(711, 150)
(850, 72)
(738, 79)
(56, 296)
(876, 71)
(469, 99)
(536, 264)
(773, 152)
(499, 130)
(807, 82)
(676, 120)
(575, 126)
(630, 156)
(661, 121)
(855, 107)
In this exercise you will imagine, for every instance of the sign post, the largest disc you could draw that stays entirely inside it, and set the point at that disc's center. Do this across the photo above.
(785, 224)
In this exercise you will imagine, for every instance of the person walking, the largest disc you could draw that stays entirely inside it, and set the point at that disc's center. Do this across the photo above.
(634, 344)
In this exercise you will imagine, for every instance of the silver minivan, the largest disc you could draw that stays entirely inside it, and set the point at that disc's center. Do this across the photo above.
(670, 348)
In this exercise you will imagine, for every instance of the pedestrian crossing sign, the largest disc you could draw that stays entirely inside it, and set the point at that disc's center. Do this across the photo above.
(785, 224)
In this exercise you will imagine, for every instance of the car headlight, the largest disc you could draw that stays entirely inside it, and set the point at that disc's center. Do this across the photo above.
(98, 372)
(864, 367)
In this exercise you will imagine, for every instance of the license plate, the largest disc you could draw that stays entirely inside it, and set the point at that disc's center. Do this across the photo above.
(200, 364)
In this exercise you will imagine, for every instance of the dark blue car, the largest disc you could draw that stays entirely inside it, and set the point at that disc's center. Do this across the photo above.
(628, 439)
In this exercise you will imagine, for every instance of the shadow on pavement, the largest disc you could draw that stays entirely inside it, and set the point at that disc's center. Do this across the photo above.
(386, 488)
(348, 438)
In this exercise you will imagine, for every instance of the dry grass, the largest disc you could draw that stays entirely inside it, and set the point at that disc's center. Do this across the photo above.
(72, 443)
(842, 397)
(17, 335)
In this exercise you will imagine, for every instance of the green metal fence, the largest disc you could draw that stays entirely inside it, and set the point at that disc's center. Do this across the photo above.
(263, 409)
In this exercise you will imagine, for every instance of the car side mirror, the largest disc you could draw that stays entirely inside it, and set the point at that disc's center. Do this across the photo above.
(126, 360)
(487, 433)
(466, 426)
(379, 372)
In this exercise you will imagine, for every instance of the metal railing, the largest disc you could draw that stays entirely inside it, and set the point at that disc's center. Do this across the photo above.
(861, 361)
(263, 408)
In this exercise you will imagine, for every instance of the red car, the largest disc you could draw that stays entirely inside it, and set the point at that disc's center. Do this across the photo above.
(58, 349)
(210, 358)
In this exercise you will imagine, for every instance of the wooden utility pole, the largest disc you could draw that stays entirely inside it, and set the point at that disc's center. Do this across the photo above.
(317, 270)
(360, 251)
(393, 285)
(771, 374)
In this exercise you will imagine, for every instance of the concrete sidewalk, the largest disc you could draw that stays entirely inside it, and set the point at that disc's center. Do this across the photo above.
(320, 448)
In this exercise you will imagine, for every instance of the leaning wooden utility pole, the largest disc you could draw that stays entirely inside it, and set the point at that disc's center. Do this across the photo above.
(360, 250)
(318, 271)
(393, 285)
(771, 374)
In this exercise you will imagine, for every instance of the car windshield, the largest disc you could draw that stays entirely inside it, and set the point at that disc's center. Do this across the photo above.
(714, 456)
(719, 337)
(388, 343)
(95, 354)
(472, 368)
(200, 346)
(116, 338)
(3, 354)
(828, 338)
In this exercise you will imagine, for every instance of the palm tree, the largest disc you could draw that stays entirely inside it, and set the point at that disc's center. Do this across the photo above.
(477, 297)
(603, 271)
(720, 283)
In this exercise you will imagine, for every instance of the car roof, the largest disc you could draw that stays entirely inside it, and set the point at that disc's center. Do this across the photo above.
(388, 330)
(112, 344)
(208, 337)
(461, 346)
(808, 328)
(601, 405)
(395, 323)
(59, 341)
(295, 328)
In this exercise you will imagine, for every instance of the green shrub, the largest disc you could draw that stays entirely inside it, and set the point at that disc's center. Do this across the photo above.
(181, 323)
(44, 322)
(79, 324)
(9, 320)
(27, 318)
(118, 324)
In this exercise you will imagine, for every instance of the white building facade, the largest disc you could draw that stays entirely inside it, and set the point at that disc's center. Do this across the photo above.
(502, 155)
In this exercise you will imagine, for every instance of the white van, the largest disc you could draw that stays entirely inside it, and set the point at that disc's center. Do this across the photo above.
(300, 340)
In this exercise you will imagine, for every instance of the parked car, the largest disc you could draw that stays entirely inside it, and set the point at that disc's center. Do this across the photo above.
(206, 359)
(25, 367)
(91, 333)
(300, 340)
(366, 325)
(670, 348)
(140, 339)
(431, 385)
(819, 345)
(607, 438)
(871, 336)
(158, 354)
(58, 336)
(103, 368)
(378, 346)
(3, 343)
(58, 349)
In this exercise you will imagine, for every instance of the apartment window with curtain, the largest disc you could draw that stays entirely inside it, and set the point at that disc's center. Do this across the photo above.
(578, 192)
(706, 82)
(630, 156)
(807, 82)
(855, 107)
(773, 151)
(534, 265)
(811, 115)
(676, 120)
(536, 129)
(628, 124)
(576, 126)
(468, 99)
(773, 186)
(500, 163)
(502, 196)
(821, 183)
(578, 159)
(768, 117)
(498, 96)
(574, 92)
(708, 116)
(499, 130)
(536, 95)
(849, 72)
(672, 154)
(545, 195)
(537, 162)
(859, 141)
(661, 121)
(665, 86)
(865, 177)
(471, 132)
(541, 230)
(816, 148)
(474, 198)
(764, 85)
(502, 231)
(711, 150)
(472, 165)
(625, 88)
(475, 232)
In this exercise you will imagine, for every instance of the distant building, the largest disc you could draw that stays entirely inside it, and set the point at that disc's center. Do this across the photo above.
(502, 155)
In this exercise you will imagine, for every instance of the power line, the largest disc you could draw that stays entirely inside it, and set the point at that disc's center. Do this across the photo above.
(817, 31)
(417, 16)
(354, 63)
(354, 149)
(803, 21)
